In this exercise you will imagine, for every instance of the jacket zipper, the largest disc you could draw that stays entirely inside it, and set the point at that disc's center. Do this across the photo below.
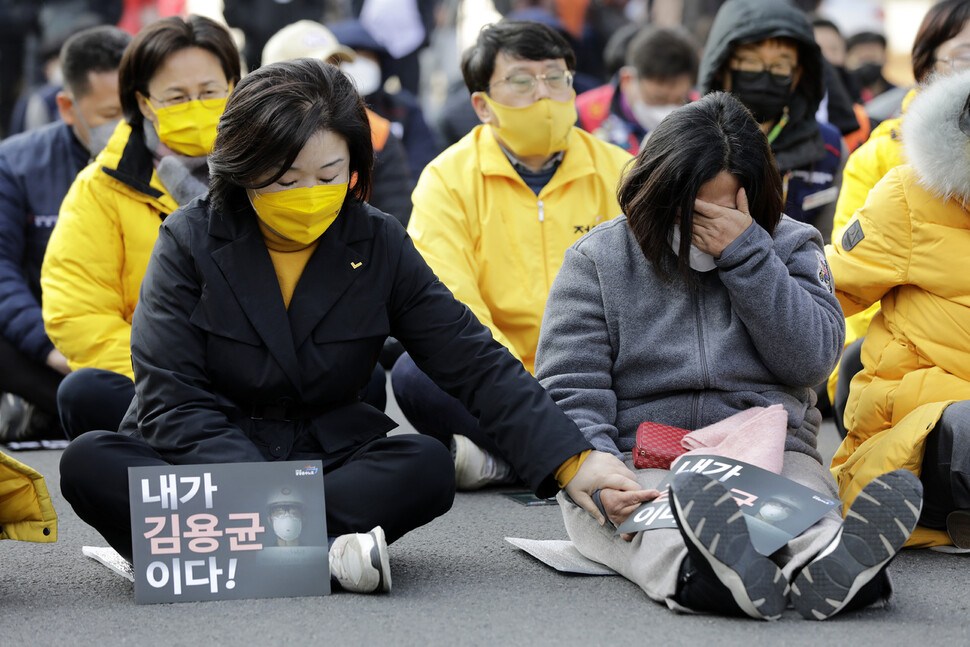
(703, 354)
(542, 235)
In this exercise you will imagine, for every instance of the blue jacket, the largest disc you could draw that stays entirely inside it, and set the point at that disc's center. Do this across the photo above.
(36, 170)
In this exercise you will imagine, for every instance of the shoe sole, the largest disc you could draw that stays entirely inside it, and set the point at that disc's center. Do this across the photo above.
(711, 521)
(380, 559)
(877, 525)
(958, 527)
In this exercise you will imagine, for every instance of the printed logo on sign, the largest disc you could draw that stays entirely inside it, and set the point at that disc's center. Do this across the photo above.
(308, 470)
(821, 500)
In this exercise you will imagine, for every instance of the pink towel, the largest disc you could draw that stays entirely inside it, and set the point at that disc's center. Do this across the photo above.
(755, 436)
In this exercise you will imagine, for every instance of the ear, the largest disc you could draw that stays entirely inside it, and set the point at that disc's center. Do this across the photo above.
(482, 109)
(65, 107)
(627, 74)
(145, 109)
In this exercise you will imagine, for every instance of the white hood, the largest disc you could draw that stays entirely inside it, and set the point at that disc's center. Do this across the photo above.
(933, 141)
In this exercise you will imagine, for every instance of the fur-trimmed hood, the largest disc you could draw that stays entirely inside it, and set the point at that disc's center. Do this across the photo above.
(936, 136)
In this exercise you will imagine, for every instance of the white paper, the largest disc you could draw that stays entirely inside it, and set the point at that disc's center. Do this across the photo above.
(561, 555)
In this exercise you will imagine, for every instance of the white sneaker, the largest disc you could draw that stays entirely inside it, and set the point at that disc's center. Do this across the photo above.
(475, 468)
(359, 563)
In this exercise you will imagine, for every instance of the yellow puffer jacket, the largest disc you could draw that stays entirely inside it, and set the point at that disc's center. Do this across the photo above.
(98, 253)
(864, 168)
(908, 247)
(26, 511)
(494, 243)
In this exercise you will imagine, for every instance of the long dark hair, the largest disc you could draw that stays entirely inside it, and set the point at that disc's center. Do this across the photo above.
(690, 147)
(269, 118)
(159, 40)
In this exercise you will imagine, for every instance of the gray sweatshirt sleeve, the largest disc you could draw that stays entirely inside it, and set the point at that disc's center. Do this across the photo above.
(574, 359)
(782, 291)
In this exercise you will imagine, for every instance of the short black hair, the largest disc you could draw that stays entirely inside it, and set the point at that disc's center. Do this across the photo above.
(864, 37)
(818, 21)
(942, 22)
(691, 146)
(523, 39)
(156, 42)
(660, 53)
(272, 114)
(97, 49)
(614, 54)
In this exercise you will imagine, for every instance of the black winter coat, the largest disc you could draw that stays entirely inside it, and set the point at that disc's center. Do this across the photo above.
(225, 373)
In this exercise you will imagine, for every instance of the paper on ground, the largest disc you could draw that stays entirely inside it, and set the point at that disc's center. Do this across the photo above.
(561, 555)
(110, 558)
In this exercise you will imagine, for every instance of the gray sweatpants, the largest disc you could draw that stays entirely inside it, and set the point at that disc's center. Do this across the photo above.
(652, 560)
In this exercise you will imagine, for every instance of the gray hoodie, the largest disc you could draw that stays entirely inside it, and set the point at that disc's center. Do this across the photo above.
(621, 345)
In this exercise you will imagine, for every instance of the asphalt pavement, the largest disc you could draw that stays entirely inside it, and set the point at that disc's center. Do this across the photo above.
(456, 582)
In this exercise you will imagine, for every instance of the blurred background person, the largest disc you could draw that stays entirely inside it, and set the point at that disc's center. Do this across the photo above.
(865, 56)
(174, 79)
(941, 48)
(36, 171)
(659, 74)
(841, 91)
(401, 107)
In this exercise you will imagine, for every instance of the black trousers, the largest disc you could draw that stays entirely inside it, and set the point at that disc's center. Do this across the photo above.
(850, 365)
(92, 399)
(34, 381)
(946, 467)
(400, 483)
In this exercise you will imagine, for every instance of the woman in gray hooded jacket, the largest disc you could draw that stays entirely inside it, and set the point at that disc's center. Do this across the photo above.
(702, 302)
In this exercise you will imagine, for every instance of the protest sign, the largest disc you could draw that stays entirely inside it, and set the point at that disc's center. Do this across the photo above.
(228, 531)
(775, 508)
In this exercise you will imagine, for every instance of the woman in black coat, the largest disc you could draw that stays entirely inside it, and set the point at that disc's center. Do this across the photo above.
(262, 315)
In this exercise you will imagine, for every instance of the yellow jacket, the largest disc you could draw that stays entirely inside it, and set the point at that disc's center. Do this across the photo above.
(494, 243)
(908, 248)
(98, 253)
(26, 511)
(864, 168)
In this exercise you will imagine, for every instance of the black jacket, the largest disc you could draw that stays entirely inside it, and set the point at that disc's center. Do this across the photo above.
(225, 373)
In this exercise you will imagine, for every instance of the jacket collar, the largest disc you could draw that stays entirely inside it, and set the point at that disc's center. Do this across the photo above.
(127, 159)
(933, 140)
(576, 161)
(248, 270)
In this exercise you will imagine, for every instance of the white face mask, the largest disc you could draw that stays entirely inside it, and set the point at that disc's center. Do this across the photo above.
(700, 261)
(650, 116)
(287, 527)
(365, 74)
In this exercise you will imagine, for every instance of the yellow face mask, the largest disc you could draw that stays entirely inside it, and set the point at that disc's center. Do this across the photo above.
(540, 128)
(189, 128)
(300, 214)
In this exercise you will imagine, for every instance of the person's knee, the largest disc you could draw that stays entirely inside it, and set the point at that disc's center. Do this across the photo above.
(430, 472)
(403, 376)
(955, 420)
(78, 463)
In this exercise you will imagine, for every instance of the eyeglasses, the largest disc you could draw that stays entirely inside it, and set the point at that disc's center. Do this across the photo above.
(178, 102)
(525, 83)
(751, 69)
(958, 61)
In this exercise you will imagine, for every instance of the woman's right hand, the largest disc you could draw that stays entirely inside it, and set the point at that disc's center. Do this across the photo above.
(620, 504)
(602, 471)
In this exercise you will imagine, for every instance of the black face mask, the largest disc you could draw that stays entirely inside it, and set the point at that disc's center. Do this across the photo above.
(765, 95)
(868, 74)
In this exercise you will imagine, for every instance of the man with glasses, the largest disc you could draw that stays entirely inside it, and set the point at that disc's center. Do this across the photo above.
(764, 53)
(495, 212)
(36, 170)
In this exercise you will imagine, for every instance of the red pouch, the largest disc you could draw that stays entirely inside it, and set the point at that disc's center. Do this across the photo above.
(657, 445)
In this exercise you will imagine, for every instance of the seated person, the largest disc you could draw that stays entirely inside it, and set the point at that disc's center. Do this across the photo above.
(660, 70)
(262, 314)
(906, 247)
(174, 79)
(494, 213)
(702, 302)
(765, 54)
(36, 171)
